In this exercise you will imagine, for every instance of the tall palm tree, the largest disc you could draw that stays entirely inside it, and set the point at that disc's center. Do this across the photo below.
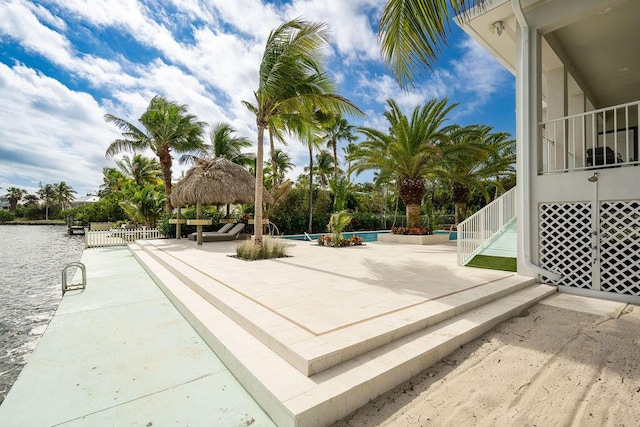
(474, 157)
(223, 144)
(64, 194)
(291, 82)
(412, 32)
(337, 128)
(323, 167)
(283, 165)
(407, 153)
(47, 194)
(167, 127)
(141, 169)
(14, 195)
(348, 151)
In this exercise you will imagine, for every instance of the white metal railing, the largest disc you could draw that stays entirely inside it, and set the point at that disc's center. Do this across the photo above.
(596, 139)
(118, 236)
(475, 231)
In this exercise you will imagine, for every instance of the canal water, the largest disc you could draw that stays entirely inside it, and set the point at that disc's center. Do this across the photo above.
(31, 262)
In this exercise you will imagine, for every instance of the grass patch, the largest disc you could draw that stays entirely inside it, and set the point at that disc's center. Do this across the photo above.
(270, 248)
(494, 263)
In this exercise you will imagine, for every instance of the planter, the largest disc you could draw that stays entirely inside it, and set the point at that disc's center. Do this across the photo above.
(407, 239)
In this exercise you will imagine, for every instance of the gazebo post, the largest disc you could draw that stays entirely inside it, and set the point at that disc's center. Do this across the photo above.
(178, 230)
(199, 226)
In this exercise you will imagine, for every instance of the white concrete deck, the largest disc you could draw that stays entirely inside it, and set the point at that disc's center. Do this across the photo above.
(118, 353)
(314, 336)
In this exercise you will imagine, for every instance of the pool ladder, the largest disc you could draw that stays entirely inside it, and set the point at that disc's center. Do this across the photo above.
(73, 286)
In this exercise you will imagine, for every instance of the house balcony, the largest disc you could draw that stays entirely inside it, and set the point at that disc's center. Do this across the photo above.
(604, 138)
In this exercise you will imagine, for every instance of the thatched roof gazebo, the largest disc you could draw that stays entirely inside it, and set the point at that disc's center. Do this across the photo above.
(213, 182)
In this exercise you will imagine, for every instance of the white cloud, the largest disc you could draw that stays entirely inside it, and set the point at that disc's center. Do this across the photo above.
(54, 134)
(477, 74)
(348, 22)
(208, 57)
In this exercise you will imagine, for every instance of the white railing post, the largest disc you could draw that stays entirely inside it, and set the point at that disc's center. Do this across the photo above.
(118, 237)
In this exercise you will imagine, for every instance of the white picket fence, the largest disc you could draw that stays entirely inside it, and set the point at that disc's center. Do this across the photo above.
(475, 231)
(119, 236)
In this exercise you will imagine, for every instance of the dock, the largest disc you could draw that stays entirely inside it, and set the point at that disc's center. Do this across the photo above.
(76, 229)
(119, 353)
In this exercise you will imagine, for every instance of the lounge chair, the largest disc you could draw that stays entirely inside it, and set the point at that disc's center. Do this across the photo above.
(223, 229)
(229, 235)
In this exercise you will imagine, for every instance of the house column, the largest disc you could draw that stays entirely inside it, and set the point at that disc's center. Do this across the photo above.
(529, 150)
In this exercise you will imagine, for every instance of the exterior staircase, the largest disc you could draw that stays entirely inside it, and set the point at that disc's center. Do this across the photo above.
(302, 380)
(489, 238)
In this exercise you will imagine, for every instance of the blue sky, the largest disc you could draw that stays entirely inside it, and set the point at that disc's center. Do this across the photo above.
(65, 63)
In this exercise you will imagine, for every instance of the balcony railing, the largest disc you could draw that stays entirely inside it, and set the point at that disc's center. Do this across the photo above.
(475, 231)
(596, 139)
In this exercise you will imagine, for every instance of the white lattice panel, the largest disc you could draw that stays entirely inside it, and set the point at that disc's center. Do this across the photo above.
(565, 242)
(620, 247)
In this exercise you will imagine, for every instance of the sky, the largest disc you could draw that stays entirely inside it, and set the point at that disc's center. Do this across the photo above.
(64, 64)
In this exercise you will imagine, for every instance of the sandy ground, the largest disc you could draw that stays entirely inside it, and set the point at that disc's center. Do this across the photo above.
(548, 367)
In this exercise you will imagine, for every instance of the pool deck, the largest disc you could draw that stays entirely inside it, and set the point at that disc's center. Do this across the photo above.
(118, 353)
(316, 335)
(311, 337)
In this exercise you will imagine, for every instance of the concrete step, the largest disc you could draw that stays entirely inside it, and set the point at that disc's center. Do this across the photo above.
(311, 353)
(293, 399)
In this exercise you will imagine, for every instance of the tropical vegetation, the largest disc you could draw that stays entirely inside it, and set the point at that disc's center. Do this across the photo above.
(292, 84)
(167, 127)
(436, 171)
(407, 153)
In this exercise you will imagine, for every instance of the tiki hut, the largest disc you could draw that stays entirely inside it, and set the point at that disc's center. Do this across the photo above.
(213, 182)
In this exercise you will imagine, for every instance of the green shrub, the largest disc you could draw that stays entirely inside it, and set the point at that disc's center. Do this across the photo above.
(6, 216)
(337, 223)
(270, 248)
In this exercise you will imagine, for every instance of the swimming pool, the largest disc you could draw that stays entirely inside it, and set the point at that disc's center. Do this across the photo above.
(367, 236)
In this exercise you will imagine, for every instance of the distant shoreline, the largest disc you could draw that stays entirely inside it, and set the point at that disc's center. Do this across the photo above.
(36, 222)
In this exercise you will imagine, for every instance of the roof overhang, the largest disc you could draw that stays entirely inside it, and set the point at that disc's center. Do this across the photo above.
(596, 40)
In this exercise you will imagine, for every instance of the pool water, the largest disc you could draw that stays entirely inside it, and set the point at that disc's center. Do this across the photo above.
(367, 236)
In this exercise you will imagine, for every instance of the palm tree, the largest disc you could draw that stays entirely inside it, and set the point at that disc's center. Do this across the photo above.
(323, 166)
(283, 163)
(64, 194)
(474, 157)
(144, 205)
(167, 127)
(47, 194)
(223, 144)
(113, 181)
(407, 153)
(337, 128)
(142, 170)
(15, 194)
(412, 32)
(292, 82)
(348, 151)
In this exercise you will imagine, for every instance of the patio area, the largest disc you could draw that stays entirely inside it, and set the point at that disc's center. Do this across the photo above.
(316, 335)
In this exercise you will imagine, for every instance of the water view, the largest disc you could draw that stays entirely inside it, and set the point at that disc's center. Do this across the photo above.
(31, 262)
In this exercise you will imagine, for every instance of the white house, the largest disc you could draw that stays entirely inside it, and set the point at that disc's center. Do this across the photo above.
(577, 67)
(84, 200)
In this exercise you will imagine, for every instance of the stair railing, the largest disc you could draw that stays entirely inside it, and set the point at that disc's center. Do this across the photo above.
(475, 231)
